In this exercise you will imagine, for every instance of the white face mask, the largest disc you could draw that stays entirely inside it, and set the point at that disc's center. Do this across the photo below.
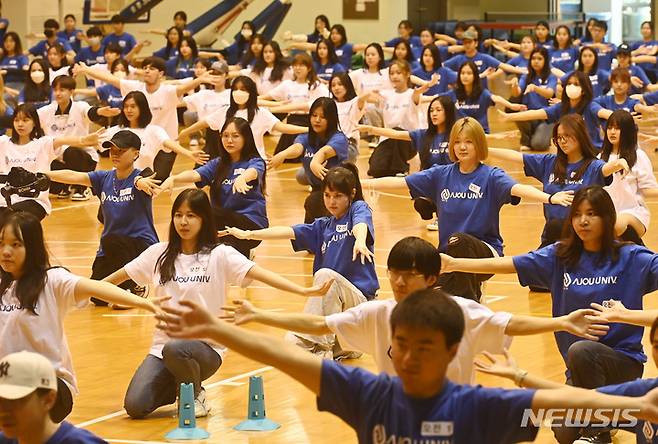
(37, 76)
(573, 91)
(240, 97)
(246, 33)
(94, 41)
(120, 74)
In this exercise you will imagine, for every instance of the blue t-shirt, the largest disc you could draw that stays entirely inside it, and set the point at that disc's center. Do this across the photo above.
(437, 150)
(468, 203)
(125, 41)
(37, 104)
(592, 121)
(179, 68)
(564, 59)
(251, 204)
(15, 67)
(636, 71)
(605, 58)
(111, 95)
(651, 98)
(41, 48)
(647, 67)
(645, 432)
(127, 211)
(332, 242)
(8, 113)
(344, 54)
(325, 72)
(482, 61)
(234, 52)
(475, 108)
(72, 38)
(600, 81)
(89, 56)
(533, 100)
(547, 44)
(414, 42)
(338, 141)
(540, 166)
(377, 408)
(162, 53)
(447, 77)
(628, 279)
(519, 61)
(65, 434)
(609, 103)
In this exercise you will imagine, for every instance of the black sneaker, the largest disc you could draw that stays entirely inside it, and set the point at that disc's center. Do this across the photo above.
(64, 194)
(599, 438)
(539, 289)
(98, 302)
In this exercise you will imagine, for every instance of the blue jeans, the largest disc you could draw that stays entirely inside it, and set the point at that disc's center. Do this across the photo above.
(156, 382)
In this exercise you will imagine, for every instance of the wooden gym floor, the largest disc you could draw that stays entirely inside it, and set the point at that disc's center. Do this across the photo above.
(107, 346)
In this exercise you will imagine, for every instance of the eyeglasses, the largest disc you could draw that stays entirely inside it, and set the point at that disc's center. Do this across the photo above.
(563, 139)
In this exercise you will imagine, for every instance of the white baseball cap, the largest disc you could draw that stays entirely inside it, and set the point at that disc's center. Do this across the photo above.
(24, 372)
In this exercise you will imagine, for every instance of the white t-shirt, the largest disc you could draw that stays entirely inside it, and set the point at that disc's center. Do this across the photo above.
(626, 193)
(263, 83)
(34, 156)
(105, 68)
(400, 109)
(297, 92)
(163, 103)
(366, 81)
(263, 122)
(207, 101)
(44, 334)
(349, 115)
(153, 137)
(63, 71)
(366, 328)
(203, 278)
(73, 124)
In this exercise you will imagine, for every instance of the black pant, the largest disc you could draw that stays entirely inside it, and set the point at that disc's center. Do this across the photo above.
(74, 159)
(63, 403)
(390, 158)
(288, 139)
(28, 206)
(163, 163)
(630, 235)
(466, 285)
(314, 206)
(212, 143)
(229, 218)
(118, 251)
(594, 365)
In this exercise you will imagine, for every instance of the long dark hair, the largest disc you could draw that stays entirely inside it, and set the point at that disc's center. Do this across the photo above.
(432, 130)
(343, 179)
(59, 48)
(326, 23)
(29, 111)
(145, 115)
(18, 46)
(192, 44)
(330, 112)
(556, 45)
(249, 55)
(198, 202)
(477, 83)
(571, 246)
(436, 56)
(28, 231)
(623, 120)
(595, 66)
(576, 128)
(42, 91)
(249, 151)
(169, 48)
(280, 64)
(585, 98)
(546, 69)
(346, 80)
(252, 102)
(340, 29)
(410, 55)
(331, 51)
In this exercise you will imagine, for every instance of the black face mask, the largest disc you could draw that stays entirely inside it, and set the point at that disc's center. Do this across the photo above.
(49, 33)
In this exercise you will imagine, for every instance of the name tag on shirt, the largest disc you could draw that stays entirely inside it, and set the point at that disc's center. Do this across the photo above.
(341, 228)
(474, 188)
(125, 191)
(436, 428)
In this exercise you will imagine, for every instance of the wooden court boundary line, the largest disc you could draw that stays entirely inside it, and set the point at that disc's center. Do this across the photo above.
(208, 387)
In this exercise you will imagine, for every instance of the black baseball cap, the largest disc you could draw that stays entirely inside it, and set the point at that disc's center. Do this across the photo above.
(624, 49)
(124, 139)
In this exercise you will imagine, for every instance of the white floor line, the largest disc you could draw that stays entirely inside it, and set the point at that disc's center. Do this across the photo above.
(70, 207)
(128, 315)
(226, 381)
(130, 441)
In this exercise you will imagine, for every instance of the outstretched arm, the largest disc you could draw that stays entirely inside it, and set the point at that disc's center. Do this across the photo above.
(584, 323)
(98, 74)
(615, 311)
(386, 132)
(70, 177)
(504, 154)
(532, 194)
(287, 128)
(197, 126)
(281, 232)
(194, 321)
(274, 280)
(385, 183)
(533, 114)
(86, 288)
(496, 265)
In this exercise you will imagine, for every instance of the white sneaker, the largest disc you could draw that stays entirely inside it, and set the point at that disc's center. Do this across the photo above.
(434, 226)
(201, 409)
(81, 196)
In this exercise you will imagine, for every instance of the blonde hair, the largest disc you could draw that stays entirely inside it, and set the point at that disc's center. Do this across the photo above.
(471, 129)
(402, 65)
